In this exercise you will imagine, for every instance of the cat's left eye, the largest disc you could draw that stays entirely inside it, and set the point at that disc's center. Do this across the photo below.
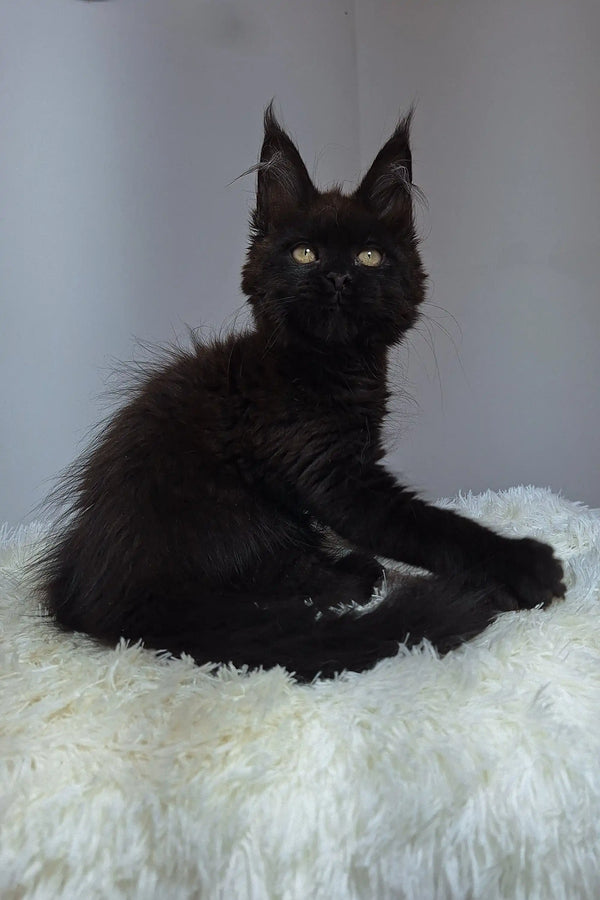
(370, 257)
(302, 253)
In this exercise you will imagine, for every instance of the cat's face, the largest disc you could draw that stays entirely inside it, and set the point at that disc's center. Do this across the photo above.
(327, 268)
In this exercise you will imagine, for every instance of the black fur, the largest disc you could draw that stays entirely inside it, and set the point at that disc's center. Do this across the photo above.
(200, 519)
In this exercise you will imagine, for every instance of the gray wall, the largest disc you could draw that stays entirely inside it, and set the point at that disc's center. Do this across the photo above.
(507, 148)
(123, 123)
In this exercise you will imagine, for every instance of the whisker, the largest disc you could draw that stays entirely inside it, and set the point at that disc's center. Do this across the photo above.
(431, 344)
(447, 312)
(448, 333)
(275, 334)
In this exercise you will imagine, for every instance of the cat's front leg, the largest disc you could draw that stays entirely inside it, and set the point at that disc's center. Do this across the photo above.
(447, 543)
(368, 507)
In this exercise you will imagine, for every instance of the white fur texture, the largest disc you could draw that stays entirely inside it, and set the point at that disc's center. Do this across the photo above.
(127, 775)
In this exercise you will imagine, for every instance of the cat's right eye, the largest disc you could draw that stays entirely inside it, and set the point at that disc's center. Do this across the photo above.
(302, 254)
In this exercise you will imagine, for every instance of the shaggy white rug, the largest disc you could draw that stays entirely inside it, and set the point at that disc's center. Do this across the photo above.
(127, 775)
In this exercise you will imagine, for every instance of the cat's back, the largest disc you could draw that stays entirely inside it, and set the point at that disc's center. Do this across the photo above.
(176, 427)
(187, 396)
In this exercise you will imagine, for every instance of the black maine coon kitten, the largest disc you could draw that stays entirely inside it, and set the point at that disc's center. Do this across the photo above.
(201, 518)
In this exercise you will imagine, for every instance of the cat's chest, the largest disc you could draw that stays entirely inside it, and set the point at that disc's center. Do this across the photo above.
(280, 427)
(277, 416)
(272, 403)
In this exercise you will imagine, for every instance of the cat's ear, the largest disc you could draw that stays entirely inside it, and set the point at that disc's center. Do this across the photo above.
(387, 187)
(283, 181)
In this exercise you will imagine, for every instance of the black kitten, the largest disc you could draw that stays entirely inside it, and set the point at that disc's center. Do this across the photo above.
(201, 519)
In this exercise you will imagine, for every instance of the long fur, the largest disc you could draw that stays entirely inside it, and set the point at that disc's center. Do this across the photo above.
(199, 518)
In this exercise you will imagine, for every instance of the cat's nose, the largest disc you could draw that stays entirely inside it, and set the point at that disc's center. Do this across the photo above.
(338, 281)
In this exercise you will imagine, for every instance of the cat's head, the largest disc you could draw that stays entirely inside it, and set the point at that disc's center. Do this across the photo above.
(332, 268)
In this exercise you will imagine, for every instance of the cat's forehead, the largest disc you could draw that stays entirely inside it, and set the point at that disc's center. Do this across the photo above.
(334, 206)
(333, 215)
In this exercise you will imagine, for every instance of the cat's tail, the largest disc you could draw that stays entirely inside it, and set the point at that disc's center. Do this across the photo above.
(446, 612)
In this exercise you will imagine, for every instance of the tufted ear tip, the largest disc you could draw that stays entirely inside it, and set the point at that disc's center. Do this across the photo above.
(270, 119)
(283, 180)
(387, 186)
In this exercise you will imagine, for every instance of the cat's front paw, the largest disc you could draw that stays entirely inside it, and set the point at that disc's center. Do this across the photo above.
(529, 570)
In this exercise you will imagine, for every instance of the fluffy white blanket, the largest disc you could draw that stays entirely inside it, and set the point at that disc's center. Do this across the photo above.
(127, 775)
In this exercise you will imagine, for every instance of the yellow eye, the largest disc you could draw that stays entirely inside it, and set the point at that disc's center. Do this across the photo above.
(304, 254)
(370, 257)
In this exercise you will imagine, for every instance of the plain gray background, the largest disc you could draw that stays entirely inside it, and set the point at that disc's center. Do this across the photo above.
(124, 122)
